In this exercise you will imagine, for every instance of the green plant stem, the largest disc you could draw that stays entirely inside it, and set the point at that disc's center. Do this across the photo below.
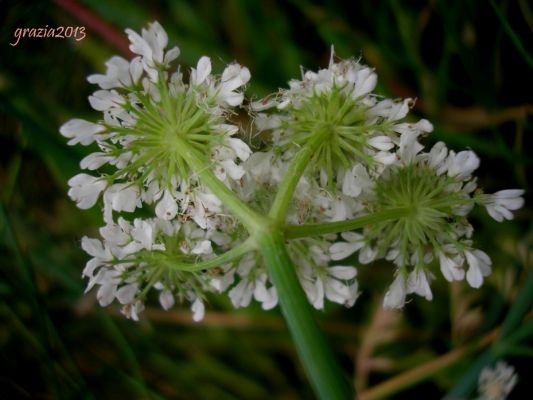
(327, 379)
(298, 231)
(250, 219)
(228, 256)
(278, 211)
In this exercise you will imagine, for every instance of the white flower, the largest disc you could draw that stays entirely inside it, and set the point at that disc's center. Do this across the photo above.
(198, 309)
(120, 73)
(268, 297)
(462, 164)
(500, 204)
(233, 77)
(480, 266)
(341, 250)
(132, 311)
(202, 71)
(452, 267)
(166, 299)
(143, 233)
(395, 296)
(203, 247)
(381, 142)
(391, 110)
(95, 248)
(437, 157)
(205, 205)
(229, 168)
(95, 160)
(151, 46)
(409, 147)
(106, 100)
(108, 281)
(126, 294)
(365, 81)
(337, 289)
(241, 294)
(85, 190)
(240, 148)
(167, 208)
(417, 128)
(418, 283)
(122, 197)
(496, 383)
(355, 181)
(80, 131)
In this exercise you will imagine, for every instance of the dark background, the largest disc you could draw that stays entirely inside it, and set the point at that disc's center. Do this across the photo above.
(470, 65)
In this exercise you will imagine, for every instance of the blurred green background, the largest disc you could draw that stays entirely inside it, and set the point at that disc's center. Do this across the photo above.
(470, 65)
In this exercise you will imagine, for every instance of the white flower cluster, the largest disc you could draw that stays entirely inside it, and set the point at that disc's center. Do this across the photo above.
(166, 228)
(498, 382)
(148, 113)
(371, 162)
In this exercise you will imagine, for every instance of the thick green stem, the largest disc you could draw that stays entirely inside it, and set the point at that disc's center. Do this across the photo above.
(325, 375)
(298, 231)
(250, 219)
(281, 203)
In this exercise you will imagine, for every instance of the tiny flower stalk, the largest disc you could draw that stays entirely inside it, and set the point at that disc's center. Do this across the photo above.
(191, 209)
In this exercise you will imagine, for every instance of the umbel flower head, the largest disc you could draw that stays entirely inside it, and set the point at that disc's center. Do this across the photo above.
(174, 178)
(150, 116)
(370, 162)
(337, 102)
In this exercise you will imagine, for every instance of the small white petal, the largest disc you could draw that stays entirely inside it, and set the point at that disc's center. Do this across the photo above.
(341, 250)
(85, 190)
(106, 294)
(198, 310)
(418, 283)
(395, 296)
(122, 197)
(166, 299)
(95, 248)
(463, 164)
(381, 142)
(235, 171)
(203, 69)
(80, 131)
(240, 148)
(479, 266)
(343, 272)
(95, 160)
(126, 294)
(166, 208)
(204, 247)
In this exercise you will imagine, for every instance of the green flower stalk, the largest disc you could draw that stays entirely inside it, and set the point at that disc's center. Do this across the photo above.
(190, 208)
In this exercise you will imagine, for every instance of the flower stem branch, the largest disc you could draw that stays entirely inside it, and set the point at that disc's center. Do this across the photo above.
(228, 256)
(297, 167)
(250, 219)
(326, 377)
(298, 231)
